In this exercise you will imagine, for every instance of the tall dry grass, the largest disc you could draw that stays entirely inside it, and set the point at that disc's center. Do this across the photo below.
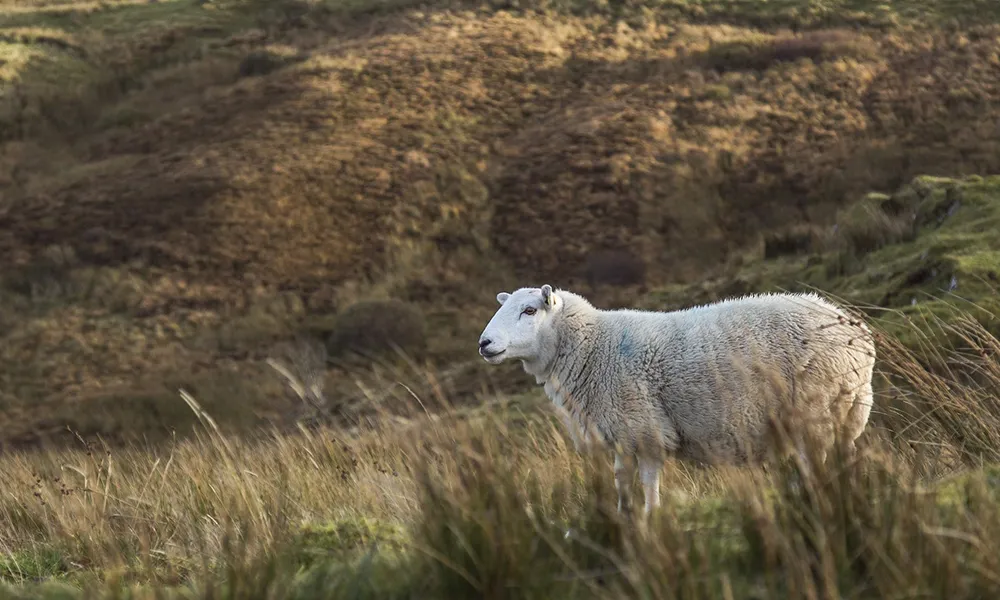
(493, 503)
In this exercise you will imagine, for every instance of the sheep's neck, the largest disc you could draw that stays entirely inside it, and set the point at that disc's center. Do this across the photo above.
(571, 367)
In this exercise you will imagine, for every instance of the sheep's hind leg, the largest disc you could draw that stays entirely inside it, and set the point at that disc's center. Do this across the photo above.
(857, 419)
(649, 474)
(623, 480)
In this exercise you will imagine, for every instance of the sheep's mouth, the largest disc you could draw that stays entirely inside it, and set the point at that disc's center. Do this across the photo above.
(486, 354)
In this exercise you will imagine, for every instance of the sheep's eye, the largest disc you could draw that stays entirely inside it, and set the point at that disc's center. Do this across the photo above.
(529, 311)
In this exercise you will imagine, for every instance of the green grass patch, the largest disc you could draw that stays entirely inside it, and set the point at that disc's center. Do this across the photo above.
(25, 566)
(921, 255)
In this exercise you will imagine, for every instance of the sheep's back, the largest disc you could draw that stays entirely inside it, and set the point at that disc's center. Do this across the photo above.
(720, 369)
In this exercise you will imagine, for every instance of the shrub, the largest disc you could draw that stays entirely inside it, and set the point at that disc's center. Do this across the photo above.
(615, 268)
(801, 239)
(761, 52)
(876, 221)
(375, 327)
(262, 62)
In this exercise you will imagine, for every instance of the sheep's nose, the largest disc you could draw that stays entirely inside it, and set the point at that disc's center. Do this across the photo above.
(484, 342)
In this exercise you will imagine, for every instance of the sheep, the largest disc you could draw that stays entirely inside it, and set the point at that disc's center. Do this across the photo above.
(699, 384)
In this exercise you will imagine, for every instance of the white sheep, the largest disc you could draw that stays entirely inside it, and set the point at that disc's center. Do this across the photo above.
(699, 383)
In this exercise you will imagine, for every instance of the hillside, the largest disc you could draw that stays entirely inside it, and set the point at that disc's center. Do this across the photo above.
(202, 199)
(187, 185)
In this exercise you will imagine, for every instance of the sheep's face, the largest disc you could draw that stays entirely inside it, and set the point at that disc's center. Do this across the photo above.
(522, 326)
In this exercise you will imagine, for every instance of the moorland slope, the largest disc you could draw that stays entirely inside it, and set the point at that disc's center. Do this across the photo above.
(189, 184)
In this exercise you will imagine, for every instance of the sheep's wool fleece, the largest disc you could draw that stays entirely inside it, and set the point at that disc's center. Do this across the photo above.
(701, 382)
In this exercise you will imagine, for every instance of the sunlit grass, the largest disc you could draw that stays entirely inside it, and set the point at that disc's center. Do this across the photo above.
(493, 502)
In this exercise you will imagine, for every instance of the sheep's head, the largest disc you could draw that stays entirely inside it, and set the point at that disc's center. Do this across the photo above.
(522, 327)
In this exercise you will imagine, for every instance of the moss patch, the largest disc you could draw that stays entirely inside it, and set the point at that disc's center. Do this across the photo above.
(346, 539)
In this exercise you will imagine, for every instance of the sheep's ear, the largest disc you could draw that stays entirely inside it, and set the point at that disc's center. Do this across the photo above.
(502, 297)
(548, 296)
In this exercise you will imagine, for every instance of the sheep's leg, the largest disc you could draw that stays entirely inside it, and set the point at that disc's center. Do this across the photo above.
(804, 463)
(623, 480)
(857, 418)
(571, 428)
(821, 455)
(649, 474)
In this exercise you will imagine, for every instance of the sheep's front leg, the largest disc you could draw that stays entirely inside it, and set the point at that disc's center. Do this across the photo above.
(623, 480)
(649, 474)
(571, 428)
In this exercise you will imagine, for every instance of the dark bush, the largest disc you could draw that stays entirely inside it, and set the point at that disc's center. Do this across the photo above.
(376, 328)
(614, 268)
(801, 239)
(760, 53)
(262, 62)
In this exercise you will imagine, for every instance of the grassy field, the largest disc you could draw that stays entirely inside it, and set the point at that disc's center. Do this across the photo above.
(492, 502)
(226, 196)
